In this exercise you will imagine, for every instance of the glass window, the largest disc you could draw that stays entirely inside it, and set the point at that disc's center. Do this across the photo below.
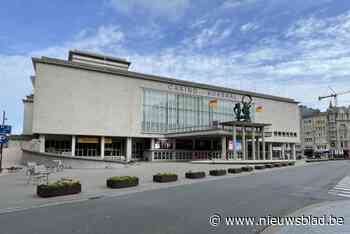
(164, 111)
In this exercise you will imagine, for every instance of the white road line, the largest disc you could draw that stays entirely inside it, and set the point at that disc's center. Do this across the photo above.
(342, 188)
(340, 191)
(343, 195)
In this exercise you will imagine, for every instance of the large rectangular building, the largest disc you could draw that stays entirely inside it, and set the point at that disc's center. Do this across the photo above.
(91, 105)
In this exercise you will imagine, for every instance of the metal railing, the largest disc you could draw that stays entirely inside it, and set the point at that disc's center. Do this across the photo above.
(182, 155)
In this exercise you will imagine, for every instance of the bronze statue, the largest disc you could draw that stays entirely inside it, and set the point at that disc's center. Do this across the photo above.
(242, 110)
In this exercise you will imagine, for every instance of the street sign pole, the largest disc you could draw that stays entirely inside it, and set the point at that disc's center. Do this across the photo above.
(1, 145)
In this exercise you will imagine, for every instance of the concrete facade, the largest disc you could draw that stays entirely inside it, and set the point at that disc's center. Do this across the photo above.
(83, 98)
(114, 104)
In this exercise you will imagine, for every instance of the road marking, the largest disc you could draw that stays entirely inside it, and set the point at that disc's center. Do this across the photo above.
(342, 189)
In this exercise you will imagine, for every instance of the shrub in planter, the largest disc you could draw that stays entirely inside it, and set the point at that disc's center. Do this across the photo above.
(291, 163)
(277, 165)
(259, 167)
(284, 164)
(164, 177)
(64, 186)
(195, 175)
(122, 181)
(269, 166)
(218, 172)
(247, 168)
(234, 170)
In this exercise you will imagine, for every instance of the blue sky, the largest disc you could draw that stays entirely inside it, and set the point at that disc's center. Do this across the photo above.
(288, 48)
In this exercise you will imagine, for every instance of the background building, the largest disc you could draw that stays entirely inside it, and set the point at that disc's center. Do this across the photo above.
(325, 132)
(92, 106)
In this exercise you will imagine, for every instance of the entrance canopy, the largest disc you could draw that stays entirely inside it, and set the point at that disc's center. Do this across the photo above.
(199, 133)
(221, 129)
(244, 124)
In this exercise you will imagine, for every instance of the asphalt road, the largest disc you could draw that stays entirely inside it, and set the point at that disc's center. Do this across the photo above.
(186, 208)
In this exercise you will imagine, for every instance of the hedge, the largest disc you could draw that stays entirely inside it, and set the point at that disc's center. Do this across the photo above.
(234, 170)
(122, 181)
(247, 168)
(259, 167)
(164, 177)
(195, 175)
(64, 186)
(217, 172)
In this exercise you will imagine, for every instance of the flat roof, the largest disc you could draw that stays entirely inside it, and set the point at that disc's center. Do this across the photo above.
(136, 75)
(96, 56)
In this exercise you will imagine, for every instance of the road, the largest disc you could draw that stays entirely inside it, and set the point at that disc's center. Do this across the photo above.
(186, 208)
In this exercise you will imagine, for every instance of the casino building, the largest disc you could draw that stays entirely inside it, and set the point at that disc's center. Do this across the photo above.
(92, 106)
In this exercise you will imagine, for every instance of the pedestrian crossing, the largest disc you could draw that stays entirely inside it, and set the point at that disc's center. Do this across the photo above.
(342, 188)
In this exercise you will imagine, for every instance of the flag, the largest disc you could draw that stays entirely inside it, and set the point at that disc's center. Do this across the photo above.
(259, 109)
(213, 103)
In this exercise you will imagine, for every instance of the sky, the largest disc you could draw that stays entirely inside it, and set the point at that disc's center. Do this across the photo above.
(295, 49)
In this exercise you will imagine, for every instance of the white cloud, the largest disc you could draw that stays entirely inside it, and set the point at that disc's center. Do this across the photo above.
(172, 8)
(249, 27)
(230, 4)
(301, 66)
(210, 35)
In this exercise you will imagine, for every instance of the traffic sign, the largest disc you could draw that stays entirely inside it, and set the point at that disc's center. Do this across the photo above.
(3, 139)
(5, 129)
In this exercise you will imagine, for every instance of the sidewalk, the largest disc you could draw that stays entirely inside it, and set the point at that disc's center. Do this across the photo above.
(339, 209)
(16, 194)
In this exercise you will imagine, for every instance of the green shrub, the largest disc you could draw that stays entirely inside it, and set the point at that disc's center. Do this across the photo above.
(122, 178)
(62, 183)
(122, 181)
(247, 168)
(165, 177)
(217, 172)
(259, 167)
(195, 175)
(234, 170)
(166, 174)
(64, 186)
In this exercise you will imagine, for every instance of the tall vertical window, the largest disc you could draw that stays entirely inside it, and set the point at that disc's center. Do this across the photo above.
(164, 111)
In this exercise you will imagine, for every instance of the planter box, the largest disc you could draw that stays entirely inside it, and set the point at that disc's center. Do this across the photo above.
(284, 164)
(234, 170)
(259, 167)
(247, 168)
(133, 181)
(219, 172)
(164, 178)
(269, 166)
(277, 165)
(291, 163)
(318, 160)
(44, 190)
(195, 175)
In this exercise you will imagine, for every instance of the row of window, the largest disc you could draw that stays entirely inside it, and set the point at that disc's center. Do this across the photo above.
(163, 111)
(285, 134)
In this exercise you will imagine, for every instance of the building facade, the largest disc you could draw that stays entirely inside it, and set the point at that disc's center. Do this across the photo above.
(315, 133)
(91, 105)
(339, 123)
(326, 132)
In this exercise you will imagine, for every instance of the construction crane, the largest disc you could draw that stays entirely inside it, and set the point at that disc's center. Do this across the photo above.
(333, 95)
